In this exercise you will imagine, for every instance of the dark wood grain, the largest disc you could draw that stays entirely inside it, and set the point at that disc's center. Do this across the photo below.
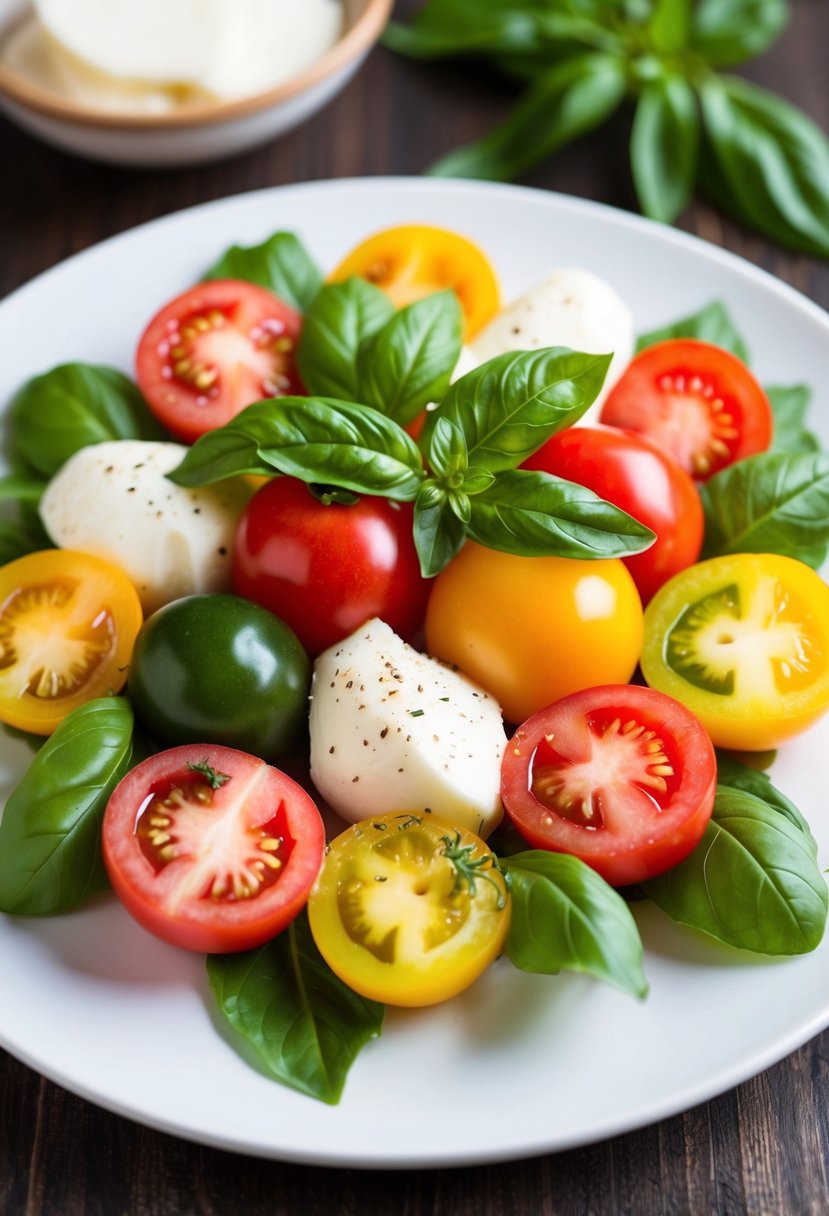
(762, 1148)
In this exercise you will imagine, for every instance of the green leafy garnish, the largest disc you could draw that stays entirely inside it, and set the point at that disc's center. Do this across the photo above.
(212, 776)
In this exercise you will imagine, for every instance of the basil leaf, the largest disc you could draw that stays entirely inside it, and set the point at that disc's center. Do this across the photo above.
(535, 514)
(16, 540)
(468, 27)
(726, 32)
(790, 405)
(409, 362)
(565, 917)
(663, 147)
(438, 532)
(72, 406)
(226, 451)
(711, 324)
(292, 1015)
(508, 407)
(447, 450)
(567, 101)
(342, 317)
(770, 503)
(733, 773)
(19, 488)
(669, 26)
(281, 263)
(767, 163)
(752, 881)
(50, 833)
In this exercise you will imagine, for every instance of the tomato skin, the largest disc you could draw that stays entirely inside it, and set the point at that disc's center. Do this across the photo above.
(393, 918)
(743, 641)
(637, 476)
(213, 350)
(252, 805)
(645, 830)
(68, 623)
(414, 260)
(219, 669)
(533, 629)
(326, 570)
(698, 402)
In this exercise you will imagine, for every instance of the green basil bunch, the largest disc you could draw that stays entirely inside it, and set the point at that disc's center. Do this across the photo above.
(755, 155)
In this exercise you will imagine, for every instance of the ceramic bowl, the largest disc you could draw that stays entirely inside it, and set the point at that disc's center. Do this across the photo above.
(198, 133)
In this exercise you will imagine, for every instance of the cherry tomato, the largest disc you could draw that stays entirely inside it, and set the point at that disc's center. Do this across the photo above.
(211, 849)
(408, 909)
(411, 262)
(636, 475)
(212, 351)
(532, 629)
(68, 623)
(326, 570)
(698, 402)
(743, 641)
(621, 776)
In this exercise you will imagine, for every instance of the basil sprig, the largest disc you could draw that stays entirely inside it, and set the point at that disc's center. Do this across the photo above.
(762, 160)
(301, 1024)
(462, 477)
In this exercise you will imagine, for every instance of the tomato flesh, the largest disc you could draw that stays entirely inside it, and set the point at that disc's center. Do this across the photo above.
(394, 916)
(619, 776)
(211, 849)
(698, 402)
(214, 350)
(743, 640)
(68, 624)
(414, 260)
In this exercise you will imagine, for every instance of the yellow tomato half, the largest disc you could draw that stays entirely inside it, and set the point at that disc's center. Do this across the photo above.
(408, 909)
(68, 623)
(743, 641)
(415, 260)
(531, 630)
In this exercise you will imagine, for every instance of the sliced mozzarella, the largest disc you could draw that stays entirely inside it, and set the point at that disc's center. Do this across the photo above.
(393, 730)
(114, 500)
(571, 307)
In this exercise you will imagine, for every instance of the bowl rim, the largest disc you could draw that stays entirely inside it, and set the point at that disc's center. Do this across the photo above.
(356, 41)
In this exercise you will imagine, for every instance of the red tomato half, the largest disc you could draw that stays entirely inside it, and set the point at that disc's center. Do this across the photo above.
(211, 849)
(698, 402)
(639, 477)
(212, 351)
(326, 570)
(621, 778)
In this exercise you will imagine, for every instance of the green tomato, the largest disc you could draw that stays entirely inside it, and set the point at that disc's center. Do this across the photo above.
(220, 669)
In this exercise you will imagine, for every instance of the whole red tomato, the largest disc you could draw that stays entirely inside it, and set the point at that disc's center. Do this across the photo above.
(327, 569)
(637, 476)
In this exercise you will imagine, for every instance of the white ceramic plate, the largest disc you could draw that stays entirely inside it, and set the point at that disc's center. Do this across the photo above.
(519, 1064)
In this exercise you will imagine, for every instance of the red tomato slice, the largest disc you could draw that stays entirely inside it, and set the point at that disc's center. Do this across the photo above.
(634, 474)
(212, 351)
(211, 849)
(621, 778)
(698, 402)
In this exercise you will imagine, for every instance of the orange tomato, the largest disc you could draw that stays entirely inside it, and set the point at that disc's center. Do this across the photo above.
(531, 630)
(415, 260)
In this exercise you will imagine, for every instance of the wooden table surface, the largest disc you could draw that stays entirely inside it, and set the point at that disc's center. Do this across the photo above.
(761, 1148)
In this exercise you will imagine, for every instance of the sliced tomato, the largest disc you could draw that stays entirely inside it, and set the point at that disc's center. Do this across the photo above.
(414, 260)
(743, 640)
(408, 909)
(698, 402)
(212, 351)
(211, 849)
(621, 776)
(68, 624)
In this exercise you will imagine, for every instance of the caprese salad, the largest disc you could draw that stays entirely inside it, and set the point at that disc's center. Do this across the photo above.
(507, 591)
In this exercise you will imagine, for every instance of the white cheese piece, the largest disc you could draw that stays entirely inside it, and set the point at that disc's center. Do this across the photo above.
(113, 500)
(229, 48)
(571, 307)
(393, 730)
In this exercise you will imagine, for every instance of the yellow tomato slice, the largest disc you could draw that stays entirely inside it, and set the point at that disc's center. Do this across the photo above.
(68, 623)
(743, 641)
(408, 909)
(415, 260)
